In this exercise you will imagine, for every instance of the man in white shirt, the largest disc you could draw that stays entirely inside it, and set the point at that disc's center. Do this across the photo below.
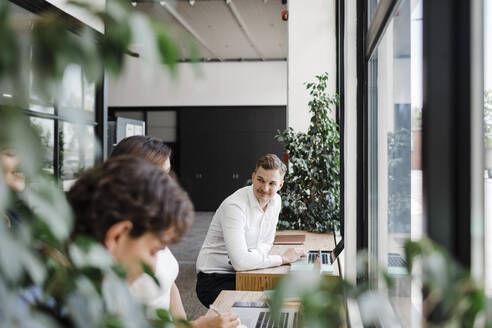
(242, 232)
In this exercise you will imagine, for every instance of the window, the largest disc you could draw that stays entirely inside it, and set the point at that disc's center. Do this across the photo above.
(45, 128)
(77, 151)
(66, 125)
(394, 153)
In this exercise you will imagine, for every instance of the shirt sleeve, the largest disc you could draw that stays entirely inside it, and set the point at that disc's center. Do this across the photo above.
(233, 227)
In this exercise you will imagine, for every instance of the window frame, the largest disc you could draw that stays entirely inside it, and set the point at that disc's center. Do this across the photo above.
(100, 111)
(450, 90)
(340, 111)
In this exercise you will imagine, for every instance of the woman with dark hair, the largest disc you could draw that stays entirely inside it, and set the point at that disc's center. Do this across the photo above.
(133, 208)
(167, 295)
(149, 148)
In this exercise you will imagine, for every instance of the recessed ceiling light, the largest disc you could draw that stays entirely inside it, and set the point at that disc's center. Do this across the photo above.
(134, 3)
(192, 2)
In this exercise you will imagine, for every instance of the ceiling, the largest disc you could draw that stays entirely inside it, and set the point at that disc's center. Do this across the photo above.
(232, 30)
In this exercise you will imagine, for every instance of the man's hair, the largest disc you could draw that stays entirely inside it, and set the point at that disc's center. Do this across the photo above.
(152, 149)
(271, 162)
(129, 188)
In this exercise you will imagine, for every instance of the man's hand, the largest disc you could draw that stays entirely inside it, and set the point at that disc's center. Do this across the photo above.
(225, 320)
(291, 255)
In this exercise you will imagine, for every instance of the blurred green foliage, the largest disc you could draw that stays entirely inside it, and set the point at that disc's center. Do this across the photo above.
(311, 191)
(451, 297)
(46, 278)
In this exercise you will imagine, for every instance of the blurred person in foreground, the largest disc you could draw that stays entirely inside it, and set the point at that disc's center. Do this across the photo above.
(167, 295)
(134, 209)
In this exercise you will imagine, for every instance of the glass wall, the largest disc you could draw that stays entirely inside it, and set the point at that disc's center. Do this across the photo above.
(394, 153)
(65, 125)
(45, 128)
(77, 151)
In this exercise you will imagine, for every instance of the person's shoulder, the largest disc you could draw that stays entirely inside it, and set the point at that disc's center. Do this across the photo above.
(238, 199)
(239, 196)
(165, 253)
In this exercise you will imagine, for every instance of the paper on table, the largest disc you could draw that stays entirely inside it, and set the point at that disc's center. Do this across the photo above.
(301, 267)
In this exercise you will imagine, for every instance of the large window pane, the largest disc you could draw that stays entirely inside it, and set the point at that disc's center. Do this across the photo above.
(70, 98)
(89, 99)
(77, 95)
(77, 151)
(488, 143)
(395, 169)
(46, 131)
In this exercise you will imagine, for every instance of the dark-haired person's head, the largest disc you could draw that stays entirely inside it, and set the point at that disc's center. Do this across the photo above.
(132, 207)
(150, 148)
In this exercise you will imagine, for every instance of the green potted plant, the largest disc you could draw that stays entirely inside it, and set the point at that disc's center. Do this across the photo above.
(311, 191)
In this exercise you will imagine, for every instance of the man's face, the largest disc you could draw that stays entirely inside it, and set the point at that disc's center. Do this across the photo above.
(132, 252)
(266, 183)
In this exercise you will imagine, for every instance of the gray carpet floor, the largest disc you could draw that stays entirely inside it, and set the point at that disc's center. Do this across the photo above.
(186, 252)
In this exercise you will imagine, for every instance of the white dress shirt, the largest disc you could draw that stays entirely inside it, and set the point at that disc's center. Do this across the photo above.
(166, 271)
(240, 235)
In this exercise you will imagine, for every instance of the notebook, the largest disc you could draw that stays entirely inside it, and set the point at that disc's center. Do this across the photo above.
(289, 239)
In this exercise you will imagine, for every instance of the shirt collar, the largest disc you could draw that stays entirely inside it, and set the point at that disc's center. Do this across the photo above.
(253, 202)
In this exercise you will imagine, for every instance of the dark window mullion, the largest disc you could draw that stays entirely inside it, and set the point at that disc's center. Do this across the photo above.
(56, 147)
(362, 137)
(101, 116)
(446, 137)
(340, 4)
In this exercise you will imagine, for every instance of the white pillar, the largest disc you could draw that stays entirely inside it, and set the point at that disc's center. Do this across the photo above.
(312, 51)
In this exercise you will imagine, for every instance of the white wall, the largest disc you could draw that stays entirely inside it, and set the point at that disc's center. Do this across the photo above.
(205, 84)
(312, 51)
(350, 160)
(81, 14)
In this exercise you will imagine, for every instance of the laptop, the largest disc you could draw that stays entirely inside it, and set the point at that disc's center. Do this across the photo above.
(307, 263)
(289, 240)
(255, 314)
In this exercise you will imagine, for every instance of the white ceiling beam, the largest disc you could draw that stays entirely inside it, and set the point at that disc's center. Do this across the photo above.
(244, 28)
(187, 26)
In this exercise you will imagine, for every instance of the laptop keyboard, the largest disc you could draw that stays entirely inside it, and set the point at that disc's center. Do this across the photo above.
(312, 256)
(396, 260)
(266, 321)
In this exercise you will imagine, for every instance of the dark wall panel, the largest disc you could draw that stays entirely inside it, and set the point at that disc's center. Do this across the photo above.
(219, 148)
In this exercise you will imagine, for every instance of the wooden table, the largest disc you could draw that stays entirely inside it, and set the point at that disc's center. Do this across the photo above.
(263, 279)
